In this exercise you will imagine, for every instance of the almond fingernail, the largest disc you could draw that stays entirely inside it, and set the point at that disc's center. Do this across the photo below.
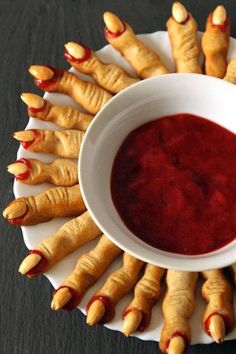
(29, 263)
(24, 135)
(41, 72)
(32, 100)
(219, 15)
(95, 312)
(176, 346)
(61, 298)
(75, 49)
(131, 322)
(179, 12)
(217, 328)
(17, 168)
(15, 210)
(112, 22)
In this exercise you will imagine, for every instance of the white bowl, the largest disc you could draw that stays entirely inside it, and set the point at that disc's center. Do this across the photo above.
(169, 94)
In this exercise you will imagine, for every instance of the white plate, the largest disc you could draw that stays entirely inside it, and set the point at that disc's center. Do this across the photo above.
(34, 234)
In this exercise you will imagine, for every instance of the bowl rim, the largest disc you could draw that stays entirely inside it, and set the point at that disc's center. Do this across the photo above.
(181, 262)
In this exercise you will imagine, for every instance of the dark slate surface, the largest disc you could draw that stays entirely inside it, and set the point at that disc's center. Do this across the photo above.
(34, 31)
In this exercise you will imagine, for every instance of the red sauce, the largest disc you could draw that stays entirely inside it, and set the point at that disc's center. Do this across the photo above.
(109, 309)
(37, 137)
(112, 35)
(144, 321)
(40, 267)
(48, 85)
(24, 175)
(70, 58)
(33, 110)
(74, 301)
(224, 27)
(173, 184)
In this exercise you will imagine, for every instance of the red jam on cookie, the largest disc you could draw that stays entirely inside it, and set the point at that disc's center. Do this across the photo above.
(113, 35)
(173, 184)
(24, 175)
(48, 85)
(37, 137)
(87, 55)
(109, 309)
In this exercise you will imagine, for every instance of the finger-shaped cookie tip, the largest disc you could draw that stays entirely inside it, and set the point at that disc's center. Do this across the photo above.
(15, 210)
(75, 50)
(24, 135)
(219, 15)
(29, 263)
(112, 22)
(217, 328)
(176, 346)
(32, 100)
(17, 168)
(179, 12)
(95, 313)
(41, 72)
(61, 298)
(131, 322)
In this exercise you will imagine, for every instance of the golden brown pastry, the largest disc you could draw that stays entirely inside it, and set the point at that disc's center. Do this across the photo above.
(101, 307)
(61, 172)
(231, 72)
(215, 42)
(147, 292)
(65, 116)
(90, 96)
(65, 143)
(233, 269)
(182, 29)
(53, 203)
(218, 318)
(109, 76)
(71, 236)
(178, 307)
(145, 61)
(88, 270)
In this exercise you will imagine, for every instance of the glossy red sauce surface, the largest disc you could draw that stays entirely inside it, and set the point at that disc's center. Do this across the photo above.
(224, 27)
(173, 184)
(37, 137)
(49, 85)
(24, 175)
(17, 221)
(112, 35)
(33, 110)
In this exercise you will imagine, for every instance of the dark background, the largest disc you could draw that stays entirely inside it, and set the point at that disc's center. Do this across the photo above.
(34, 32)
